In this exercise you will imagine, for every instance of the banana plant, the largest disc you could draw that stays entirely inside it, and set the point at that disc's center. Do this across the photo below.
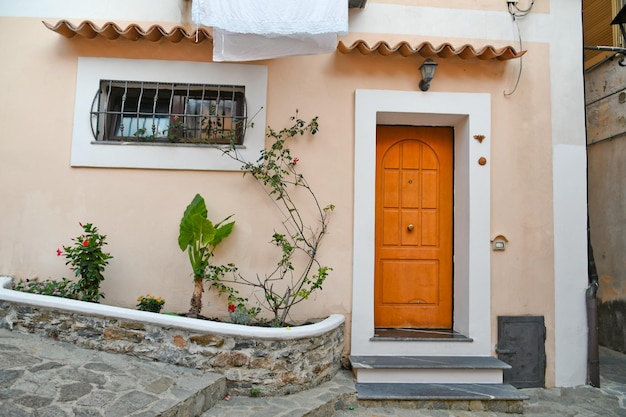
(199, 237)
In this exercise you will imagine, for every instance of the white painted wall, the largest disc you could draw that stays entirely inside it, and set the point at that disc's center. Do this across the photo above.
(137, 10)
(570, 192)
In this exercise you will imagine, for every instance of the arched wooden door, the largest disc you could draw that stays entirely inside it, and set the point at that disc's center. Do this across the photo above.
(413, 250)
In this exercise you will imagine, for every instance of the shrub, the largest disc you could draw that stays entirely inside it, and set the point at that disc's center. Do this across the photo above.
(150, 303)
(88, 261)
(63, 288)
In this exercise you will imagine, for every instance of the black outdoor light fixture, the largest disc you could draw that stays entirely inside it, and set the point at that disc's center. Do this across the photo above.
(620, 19)
(428, 73)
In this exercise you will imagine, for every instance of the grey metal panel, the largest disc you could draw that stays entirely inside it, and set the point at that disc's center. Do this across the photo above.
(356, 4)
(521, 344)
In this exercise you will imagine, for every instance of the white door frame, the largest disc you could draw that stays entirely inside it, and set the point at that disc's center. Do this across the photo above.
(470, 115)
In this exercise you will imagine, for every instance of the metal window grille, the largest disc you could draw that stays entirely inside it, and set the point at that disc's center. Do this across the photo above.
(137, 111)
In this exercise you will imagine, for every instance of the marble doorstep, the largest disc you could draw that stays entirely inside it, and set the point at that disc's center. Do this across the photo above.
(427, 362)
(438, 392)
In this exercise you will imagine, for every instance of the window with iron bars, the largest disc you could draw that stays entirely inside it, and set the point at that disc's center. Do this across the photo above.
(136, 111)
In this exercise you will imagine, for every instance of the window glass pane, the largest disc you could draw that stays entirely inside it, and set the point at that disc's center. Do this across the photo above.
(143, 126)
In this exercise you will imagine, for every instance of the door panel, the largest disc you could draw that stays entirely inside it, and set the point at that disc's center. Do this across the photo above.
(396, 289)
(413, 265)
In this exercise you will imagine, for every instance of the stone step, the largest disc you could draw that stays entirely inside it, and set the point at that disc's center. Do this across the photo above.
(428, 369)
(471, 397)
(321, 401)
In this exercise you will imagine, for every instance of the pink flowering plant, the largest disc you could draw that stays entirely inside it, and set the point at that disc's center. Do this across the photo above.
(87, 259)
(63, 288)
(297, 273)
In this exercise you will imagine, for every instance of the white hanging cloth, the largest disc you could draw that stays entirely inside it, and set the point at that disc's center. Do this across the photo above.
(246, 30)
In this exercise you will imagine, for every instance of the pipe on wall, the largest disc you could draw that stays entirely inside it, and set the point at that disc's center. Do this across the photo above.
(593, 354)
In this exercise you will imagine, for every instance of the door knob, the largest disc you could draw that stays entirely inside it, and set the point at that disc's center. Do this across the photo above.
(410, 228)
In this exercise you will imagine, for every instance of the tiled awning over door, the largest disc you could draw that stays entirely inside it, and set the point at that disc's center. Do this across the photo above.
(427, 50)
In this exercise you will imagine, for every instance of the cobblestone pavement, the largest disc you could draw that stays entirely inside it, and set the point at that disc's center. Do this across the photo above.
(40, 377)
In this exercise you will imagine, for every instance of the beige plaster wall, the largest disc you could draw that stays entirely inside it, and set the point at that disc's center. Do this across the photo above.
(521, 176)
(140, 210)
(43, 198)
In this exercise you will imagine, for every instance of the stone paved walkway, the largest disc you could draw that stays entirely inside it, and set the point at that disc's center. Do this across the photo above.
(43, 378)
(40, 377)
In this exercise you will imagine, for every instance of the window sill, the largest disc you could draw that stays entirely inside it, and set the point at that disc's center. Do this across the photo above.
(218, 146)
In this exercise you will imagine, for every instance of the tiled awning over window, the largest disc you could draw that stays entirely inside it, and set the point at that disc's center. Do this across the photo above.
(133, 32)
(427, 50)
(155, 33)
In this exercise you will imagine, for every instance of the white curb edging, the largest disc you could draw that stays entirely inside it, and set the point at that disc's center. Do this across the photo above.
(228, 329)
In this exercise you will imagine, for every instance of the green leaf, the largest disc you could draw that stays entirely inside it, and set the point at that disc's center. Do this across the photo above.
(204, 231)
(222, 232)
(190, 223)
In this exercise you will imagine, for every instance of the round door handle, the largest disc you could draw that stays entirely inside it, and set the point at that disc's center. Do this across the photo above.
(410, 228)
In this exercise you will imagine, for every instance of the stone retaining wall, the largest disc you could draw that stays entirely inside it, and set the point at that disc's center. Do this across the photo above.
(275, 363)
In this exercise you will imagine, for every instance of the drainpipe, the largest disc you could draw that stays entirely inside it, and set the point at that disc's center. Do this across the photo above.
(593, 354)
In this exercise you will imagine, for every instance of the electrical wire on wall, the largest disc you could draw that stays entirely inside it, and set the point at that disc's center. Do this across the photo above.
(517, 13)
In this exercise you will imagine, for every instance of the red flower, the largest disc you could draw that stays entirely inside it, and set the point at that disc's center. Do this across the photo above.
(59, 252)
(296, 160)
(231, 308)
(86, 243)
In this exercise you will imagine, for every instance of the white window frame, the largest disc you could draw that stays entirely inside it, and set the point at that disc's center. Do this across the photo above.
(87, 152)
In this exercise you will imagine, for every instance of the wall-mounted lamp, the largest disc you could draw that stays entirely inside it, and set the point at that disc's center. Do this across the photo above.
(620, 19)
(428, 73)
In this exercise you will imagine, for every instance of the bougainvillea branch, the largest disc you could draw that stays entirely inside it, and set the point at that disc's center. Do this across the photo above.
(297, 273)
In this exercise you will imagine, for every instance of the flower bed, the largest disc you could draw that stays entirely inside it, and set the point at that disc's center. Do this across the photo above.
(271, 361)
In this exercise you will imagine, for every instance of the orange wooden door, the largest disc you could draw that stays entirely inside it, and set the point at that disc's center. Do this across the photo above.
(413, 276)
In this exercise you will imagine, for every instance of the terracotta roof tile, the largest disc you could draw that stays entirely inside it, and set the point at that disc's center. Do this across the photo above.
(427, 50)
(155, 33)
(132, 32)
